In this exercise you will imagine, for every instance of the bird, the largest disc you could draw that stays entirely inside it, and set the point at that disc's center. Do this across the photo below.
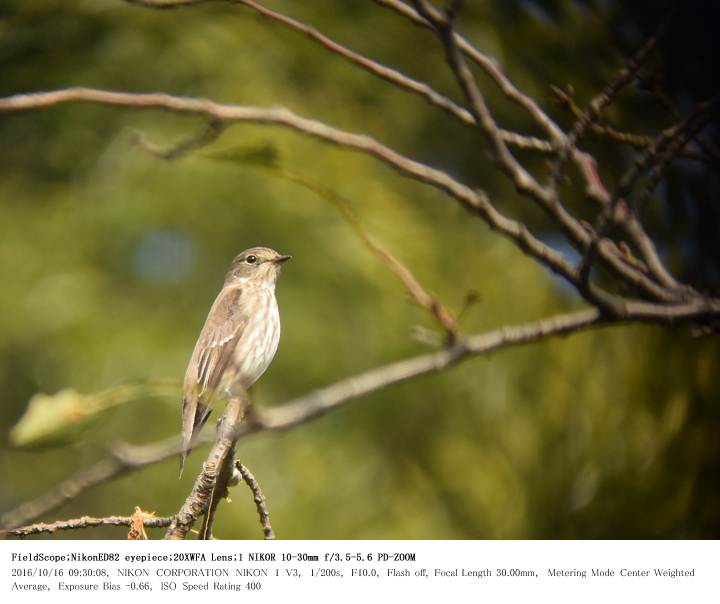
(238, 340)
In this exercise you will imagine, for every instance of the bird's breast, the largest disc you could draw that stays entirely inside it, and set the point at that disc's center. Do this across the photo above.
(259, 342)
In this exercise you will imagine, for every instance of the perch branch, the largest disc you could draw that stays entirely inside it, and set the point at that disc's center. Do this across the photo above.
(211, 484)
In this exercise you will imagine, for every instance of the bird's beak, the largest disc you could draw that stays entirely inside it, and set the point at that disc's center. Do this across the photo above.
(281, 259)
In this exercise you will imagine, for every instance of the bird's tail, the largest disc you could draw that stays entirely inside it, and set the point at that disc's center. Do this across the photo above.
(194, 417)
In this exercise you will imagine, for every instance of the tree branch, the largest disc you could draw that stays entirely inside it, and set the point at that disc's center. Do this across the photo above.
(395, 77)
(457, 46)
(320, 402)
(148, 521)
(258, 498)
(522, 179)
(602, 100)
(668, 142)
(315, 404)
(211, 484)
(490, 67)
(127, 458)
(475, 201)
(638, 141)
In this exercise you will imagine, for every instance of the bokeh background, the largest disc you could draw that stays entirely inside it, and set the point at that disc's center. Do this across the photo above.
(110, 259)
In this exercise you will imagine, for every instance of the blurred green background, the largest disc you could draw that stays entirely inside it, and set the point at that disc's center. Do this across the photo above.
(110, 260)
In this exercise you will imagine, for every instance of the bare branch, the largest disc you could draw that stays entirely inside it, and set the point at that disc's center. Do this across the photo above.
(474, 201)
(129, 458)
(618, 211)
(602, 100)
(383, 72)
(239, 113)
(682, 134)
(523, 180)
(395, 77)
(148, 521)
(572, 227)
(398, 78)
(638, 141)
(258, 498)
(490, 67)
(318, 403)
(456, 44)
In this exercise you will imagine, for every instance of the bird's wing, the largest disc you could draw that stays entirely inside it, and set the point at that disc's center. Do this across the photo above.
(213, 353)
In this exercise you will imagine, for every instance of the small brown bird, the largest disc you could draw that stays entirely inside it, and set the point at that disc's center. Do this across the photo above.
(237, 342)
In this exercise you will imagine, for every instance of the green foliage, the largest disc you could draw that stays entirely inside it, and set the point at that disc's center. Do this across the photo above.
(110, 259)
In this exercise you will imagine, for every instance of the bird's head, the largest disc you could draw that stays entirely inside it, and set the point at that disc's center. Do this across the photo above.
(259, 265)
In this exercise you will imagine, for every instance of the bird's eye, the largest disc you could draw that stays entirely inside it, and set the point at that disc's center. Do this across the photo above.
(251, 259)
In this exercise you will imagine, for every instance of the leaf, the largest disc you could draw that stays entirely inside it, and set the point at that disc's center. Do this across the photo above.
(137, 527)
(58, 419)
(265, 155)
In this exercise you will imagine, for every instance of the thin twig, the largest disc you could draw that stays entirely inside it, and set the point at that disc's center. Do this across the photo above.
(569, 149)
(602, 100)
(419, 294)
(638, 141)
(632, 225)
(673, 138)
(491, 69)
(687, 131)
(258, 498)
